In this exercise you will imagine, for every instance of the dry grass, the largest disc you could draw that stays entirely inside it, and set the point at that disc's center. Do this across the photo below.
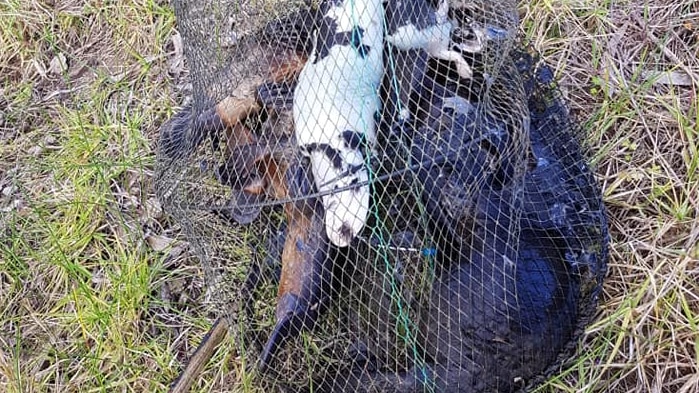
(91, 301)
(615, 62)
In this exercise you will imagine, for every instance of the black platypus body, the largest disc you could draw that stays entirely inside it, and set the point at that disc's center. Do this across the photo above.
(496, 318)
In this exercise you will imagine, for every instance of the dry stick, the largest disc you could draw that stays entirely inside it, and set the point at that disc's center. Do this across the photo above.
(201, 356)
(666, 51)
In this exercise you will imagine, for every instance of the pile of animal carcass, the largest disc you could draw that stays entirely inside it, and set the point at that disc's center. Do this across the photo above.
(406, 177)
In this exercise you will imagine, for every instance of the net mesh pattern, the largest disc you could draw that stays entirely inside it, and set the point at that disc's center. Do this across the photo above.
(386, 196)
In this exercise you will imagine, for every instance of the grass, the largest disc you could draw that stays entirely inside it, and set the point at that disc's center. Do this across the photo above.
(99, 290)
(644, 132)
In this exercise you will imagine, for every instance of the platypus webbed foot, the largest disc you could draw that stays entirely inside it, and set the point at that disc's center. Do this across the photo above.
(277, 96)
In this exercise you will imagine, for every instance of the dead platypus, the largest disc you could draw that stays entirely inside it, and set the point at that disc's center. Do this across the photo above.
(253, 129)
(274, 55)
(306, 274)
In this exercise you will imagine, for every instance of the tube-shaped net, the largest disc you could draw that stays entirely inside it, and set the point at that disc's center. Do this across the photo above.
(386, 196)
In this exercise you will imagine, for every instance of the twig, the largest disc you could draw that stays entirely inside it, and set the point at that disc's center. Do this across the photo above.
(201, 356)
(666, 51)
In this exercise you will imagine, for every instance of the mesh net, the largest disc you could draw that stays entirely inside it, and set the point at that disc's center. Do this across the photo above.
(385, 196)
